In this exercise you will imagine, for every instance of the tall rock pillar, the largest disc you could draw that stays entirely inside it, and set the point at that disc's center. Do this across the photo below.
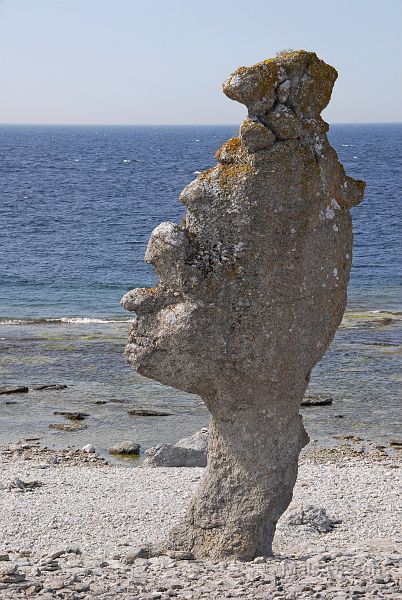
(252, 289)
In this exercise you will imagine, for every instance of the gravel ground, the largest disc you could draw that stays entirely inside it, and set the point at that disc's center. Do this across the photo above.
(69, 537)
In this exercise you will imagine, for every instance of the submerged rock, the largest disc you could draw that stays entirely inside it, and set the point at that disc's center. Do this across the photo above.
(49, 386)
(19, 389)
(146, 412)
(73, 416)
(252, 287)
(70, 427)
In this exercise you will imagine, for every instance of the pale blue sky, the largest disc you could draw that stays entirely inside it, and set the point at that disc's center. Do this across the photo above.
(163, 61)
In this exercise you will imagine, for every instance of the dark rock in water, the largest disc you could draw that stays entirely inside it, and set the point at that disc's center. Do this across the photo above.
(316, 401)
(338, 416)
(386, 321)
(188, 452)
(312, 516)
(18, 389)
(73, 416)
(67, 427)
(49, 386)
(396, 444)
(11, 402)
(126, 448)
(350, 437)
(100, 402)
(145, 412)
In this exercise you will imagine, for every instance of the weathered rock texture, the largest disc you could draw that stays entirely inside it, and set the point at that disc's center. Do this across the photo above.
(187, 452)
(252, 289)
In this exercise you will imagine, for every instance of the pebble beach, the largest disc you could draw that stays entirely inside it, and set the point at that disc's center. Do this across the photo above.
(72, 525)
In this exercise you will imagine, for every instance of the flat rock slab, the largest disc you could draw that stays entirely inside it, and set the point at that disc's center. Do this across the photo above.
(49, 386)
(19, 389)
(67, 427)
(144, 412)
(73, 416)
(316, 401)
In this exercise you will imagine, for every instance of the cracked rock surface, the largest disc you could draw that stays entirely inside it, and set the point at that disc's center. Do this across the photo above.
(252, 287)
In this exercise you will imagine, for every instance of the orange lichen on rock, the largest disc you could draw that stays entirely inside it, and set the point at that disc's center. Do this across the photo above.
(254, 86)
(229, 152)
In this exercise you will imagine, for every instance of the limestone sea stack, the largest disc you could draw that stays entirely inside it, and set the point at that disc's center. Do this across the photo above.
(252, 287)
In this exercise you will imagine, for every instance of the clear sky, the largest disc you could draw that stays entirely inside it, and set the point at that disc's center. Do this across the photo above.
(163, 61)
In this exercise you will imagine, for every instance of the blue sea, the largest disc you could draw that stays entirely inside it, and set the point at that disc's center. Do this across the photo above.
(77, 205)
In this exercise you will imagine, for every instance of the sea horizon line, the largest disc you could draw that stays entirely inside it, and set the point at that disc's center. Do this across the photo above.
(176, 124)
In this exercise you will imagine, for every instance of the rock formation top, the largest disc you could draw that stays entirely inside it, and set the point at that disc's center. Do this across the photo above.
(266, 227)
(298, 81)
(252, 287)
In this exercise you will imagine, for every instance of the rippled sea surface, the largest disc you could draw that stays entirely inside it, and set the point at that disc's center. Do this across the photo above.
(77, 207)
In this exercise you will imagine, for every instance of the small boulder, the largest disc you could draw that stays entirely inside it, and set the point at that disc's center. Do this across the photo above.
(139, 552)
(313, 516)
(187, 452)
(196, 441)
(10, 574)
(126, 448)
(24, 486)
(89, 449)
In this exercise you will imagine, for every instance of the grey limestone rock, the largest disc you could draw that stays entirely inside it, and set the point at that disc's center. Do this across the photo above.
(313, 516)
(89, 449)
(252, 287)
(188, 452)
(128, 448)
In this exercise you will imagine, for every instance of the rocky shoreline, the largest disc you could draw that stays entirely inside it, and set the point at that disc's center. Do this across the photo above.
(75, 533)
